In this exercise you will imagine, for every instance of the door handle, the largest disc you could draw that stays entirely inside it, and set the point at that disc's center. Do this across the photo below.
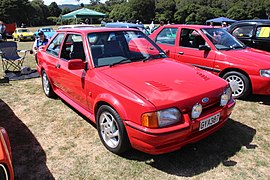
(58, 66)
(181, 53)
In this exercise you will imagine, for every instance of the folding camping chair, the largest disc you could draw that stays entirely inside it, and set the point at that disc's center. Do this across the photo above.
(11, 61)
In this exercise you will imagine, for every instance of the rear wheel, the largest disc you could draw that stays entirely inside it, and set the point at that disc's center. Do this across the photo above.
(239, 83)
(47, 88)
(111, 130)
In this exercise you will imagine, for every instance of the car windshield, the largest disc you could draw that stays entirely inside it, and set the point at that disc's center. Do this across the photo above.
(112, 48)
(222, 40)
(47, 29)
(23, 30)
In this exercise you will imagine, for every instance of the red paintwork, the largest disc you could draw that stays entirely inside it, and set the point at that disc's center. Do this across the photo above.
(10, 28)
(139, 87)
(248, 60)
(5, 153)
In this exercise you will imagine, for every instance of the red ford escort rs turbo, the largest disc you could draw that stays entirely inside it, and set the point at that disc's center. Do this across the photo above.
(137, 97)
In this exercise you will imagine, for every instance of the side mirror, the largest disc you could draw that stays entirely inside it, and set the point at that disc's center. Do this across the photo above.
(204, 47)
(167, 52)
(76, 64)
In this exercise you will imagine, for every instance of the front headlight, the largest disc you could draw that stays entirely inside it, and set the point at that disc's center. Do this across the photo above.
(265, 73)
(161, 118)
(226, 96)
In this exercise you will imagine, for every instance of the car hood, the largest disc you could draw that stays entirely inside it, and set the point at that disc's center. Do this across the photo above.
(26, 34)
(249, 56)
(164, 82)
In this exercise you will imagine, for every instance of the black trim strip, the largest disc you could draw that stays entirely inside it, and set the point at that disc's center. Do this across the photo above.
(207, 68)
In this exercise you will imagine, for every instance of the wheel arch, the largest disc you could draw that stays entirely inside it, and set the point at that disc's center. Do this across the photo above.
(223, 72)
(110, 100)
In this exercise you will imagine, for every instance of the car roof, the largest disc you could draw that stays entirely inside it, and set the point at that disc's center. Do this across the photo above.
(75, 25)
(122, 24)
(94, 29)
(188, 26)
(251, 22)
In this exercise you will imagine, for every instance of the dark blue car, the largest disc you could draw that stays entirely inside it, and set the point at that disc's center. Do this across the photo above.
(128, 25)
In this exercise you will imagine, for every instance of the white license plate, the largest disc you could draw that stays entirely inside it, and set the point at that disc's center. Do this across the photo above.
(209, 122)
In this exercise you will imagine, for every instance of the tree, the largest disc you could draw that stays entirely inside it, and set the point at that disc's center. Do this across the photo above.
(165, 10)
(65, 11)
(54, 10)
(94, 2)
(15, 11)
(142, 10)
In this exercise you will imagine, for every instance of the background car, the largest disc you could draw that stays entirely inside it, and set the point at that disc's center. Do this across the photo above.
(6, 169)
(123, 82)
(75, 26)
(48, 32)
(215, 50)
(23, 34)
(128, 25)
(254, 33)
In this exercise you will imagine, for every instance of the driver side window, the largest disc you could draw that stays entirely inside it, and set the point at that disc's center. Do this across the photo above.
(191, 38)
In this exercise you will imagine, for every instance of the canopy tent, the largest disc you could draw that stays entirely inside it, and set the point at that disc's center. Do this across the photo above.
(221, 20)
(83, 13)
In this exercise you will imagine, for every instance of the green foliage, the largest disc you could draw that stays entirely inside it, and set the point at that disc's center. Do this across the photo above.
(36, 13)
(54, 10)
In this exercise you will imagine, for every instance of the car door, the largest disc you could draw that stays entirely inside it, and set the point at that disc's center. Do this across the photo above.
(72, 81)
(52, 57)
(166, 39)
(187, 49)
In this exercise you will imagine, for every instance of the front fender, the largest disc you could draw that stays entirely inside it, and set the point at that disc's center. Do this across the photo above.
(112, 101)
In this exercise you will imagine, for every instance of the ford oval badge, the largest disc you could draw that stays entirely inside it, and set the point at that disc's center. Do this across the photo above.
(205, 100)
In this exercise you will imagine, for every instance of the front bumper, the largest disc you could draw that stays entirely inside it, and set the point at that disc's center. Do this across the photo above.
(163, 140)
(260, 85)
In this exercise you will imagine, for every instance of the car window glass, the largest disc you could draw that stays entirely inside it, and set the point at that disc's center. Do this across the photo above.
(221, 39)
(109, 48)
(167, 36)
(243, 31)
(191, 38)
(54, 46)
(263, 32)
(73, 47)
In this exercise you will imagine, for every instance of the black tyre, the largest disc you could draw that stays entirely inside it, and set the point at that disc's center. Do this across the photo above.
(47, 88)
(14, 38)
(239, 83)
(111, 130)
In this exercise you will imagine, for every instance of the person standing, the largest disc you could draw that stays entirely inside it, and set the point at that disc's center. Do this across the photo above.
(40, 41)
(3, 31)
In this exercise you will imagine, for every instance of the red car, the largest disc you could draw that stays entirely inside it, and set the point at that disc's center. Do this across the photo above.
(215, 50)
(137, 97)
(6, 169)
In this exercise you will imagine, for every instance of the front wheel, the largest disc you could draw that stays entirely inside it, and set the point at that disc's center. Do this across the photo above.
(239, 83)
(111, 130)
(47, 88)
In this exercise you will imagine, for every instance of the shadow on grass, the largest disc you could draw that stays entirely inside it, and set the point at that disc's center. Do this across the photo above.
(262, 99)
(204, 155)
(29, 159)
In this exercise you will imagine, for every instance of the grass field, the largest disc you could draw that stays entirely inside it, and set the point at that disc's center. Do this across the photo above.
(50, 140)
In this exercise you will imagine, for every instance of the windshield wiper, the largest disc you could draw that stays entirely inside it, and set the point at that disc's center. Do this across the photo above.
(153, 56)
(120, 62)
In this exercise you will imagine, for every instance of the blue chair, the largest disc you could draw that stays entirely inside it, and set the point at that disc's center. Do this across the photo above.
(11, 61)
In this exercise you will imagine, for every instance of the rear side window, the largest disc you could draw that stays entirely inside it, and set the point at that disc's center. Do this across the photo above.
(54, 46)
(243, 32)
(263, 32)
(167, 36)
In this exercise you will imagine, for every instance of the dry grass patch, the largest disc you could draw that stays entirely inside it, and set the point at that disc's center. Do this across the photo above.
(52, 141)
